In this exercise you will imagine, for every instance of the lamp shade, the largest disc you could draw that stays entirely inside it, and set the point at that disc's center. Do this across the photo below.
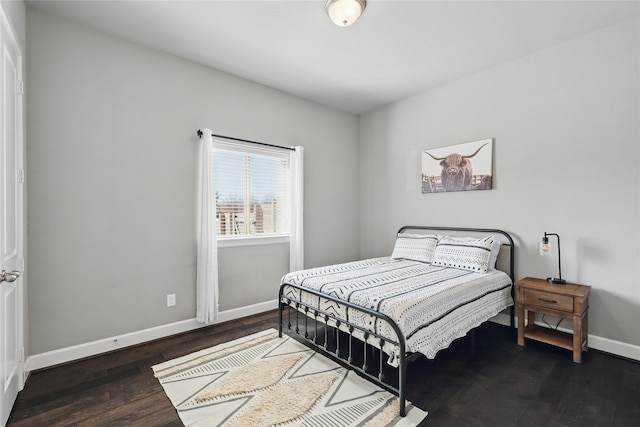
(544, 247)
(345, 12)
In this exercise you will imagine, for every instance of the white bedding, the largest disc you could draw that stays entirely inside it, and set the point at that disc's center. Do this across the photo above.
(431, 305)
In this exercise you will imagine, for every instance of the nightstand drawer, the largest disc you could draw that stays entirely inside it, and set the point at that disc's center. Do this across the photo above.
(548, 300)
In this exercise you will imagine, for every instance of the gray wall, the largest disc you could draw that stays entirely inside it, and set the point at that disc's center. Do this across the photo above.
(566, 128)
(111, 151)
(111, 177)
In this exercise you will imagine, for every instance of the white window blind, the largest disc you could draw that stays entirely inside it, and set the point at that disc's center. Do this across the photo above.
(252, 187)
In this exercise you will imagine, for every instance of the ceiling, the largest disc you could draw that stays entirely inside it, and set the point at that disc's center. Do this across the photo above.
(396, 49)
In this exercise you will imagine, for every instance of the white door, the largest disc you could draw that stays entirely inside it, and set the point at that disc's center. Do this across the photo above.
(11, 221)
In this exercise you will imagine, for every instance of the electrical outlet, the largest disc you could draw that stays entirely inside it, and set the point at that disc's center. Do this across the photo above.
(171, 300)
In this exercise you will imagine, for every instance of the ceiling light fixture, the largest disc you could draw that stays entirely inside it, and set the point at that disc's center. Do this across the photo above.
(345, 12)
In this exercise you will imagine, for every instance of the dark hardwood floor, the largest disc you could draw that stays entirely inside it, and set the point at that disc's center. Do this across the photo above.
(500, 384)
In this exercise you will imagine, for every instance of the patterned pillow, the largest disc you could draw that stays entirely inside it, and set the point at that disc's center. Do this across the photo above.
(472, 254)
(495, 249)
(416, 247)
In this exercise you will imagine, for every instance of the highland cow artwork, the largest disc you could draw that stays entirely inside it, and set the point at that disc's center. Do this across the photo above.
(462, 167)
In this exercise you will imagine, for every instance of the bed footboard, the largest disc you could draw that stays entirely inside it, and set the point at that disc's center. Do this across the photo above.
(341, 339)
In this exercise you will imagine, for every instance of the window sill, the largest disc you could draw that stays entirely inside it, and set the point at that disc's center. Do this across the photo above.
(230, 242)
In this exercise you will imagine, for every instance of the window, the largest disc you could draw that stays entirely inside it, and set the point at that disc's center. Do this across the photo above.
(252, 191)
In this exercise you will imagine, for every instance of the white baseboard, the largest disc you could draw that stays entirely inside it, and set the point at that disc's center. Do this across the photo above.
(68, 354)
(606, 345)
(237, 313)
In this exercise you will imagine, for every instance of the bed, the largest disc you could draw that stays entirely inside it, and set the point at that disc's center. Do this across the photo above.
(438, 285)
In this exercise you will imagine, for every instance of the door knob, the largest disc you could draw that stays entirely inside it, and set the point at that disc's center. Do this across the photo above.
(11, 276)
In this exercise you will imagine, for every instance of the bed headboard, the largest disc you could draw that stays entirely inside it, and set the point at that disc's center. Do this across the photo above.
(504, 237)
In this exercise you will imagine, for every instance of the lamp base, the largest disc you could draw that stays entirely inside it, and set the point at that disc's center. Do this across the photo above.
(556, 281)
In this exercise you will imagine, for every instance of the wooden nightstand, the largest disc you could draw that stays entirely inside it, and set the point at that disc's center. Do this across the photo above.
(569, 301)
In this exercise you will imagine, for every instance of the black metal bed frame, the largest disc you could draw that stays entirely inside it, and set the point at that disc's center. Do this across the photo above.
(329, 343)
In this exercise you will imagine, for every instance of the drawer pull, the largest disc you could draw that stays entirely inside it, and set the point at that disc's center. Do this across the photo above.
(548, 300)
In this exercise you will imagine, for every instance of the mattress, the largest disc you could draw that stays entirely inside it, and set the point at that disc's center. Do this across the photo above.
(431, 305)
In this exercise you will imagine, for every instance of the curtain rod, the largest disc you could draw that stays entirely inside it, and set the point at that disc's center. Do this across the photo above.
(250, 142)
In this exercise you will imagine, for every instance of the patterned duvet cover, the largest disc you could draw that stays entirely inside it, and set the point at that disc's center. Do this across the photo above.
(431, 305)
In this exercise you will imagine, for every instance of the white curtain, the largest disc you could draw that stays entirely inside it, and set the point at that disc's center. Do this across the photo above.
(296, 245)
(207, 260)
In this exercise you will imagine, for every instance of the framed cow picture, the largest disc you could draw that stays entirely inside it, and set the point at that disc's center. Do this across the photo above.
(462, 167)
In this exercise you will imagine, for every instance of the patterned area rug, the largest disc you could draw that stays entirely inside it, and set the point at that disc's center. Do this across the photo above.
(263, 380)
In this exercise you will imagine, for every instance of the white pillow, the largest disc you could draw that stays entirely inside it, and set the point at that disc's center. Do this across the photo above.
(416, 247)
(469, 254)
(495, 250)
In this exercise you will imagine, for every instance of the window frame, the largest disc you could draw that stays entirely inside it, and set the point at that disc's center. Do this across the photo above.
(256, 239)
